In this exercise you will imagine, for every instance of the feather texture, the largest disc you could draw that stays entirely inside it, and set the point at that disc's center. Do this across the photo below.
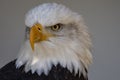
(9, 72)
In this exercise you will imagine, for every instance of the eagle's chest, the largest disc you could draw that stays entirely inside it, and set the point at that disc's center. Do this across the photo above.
(56, 73)
(9, 72)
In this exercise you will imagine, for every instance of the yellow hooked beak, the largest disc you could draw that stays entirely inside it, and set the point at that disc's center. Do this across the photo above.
(37, 34)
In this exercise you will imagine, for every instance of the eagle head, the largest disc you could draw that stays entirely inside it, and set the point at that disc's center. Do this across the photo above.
(54, 35)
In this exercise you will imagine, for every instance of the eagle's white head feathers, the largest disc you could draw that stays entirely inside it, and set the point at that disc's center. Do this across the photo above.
(70, 47)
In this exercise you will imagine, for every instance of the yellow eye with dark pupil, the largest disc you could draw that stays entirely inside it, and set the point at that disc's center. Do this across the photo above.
(55, 27)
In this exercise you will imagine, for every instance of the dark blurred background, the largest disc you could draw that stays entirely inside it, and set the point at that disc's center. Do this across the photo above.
(101, 16)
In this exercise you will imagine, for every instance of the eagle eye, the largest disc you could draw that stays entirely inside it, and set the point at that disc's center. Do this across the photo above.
(56, 27)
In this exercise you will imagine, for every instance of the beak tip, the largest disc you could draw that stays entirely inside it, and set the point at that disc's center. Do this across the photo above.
(32, 49)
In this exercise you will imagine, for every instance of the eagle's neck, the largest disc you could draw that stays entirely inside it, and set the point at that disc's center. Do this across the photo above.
(46, 55)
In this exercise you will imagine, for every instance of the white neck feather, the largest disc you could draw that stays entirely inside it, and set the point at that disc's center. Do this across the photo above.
(47, 54)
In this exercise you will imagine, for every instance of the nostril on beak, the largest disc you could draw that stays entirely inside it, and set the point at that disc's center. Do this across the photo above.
(39, 29)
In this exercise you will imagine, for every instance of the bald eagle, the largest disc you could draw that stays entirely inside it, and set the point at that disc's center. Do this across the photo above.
(57, 46)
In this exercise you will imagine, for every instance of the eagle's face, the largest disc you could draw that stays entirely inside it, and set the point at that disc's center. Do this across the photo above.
(55, 35)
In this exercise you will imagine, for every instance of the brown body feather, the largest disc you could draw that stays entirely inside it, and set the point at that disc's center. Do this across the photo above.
(9, 72)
